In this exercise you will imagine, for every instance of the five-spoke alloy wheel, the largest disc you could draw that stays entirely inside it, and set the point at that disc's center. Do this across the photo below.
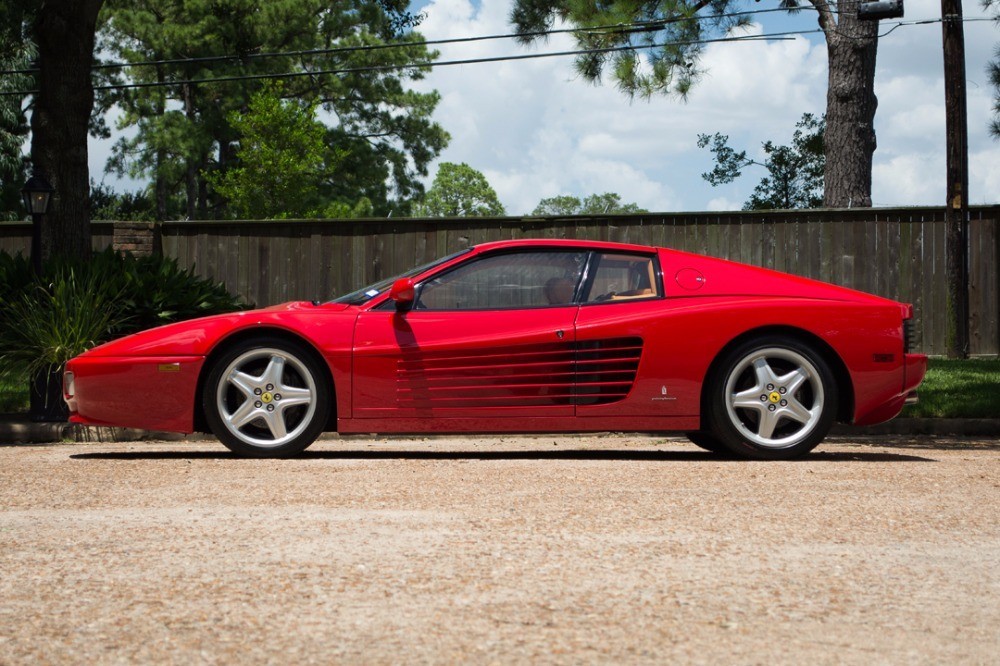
(771, 398)
(267, 398)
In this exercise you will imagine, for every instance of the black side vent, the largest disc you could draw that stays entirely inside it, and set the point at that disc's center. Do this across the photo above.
(909, 336)
(605, 370)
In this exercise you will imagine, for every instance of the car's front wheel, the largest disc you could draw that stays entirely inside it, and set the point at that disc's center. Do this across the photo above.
(772, 398)
(267, 398)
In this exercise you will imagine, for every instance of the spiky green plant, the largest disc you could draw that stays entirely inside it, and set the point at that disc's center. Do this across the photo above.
(48, 324)
(78, 303)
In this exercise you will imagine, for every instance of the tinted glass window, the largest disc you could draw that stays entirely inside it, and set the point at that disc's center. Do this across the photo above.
(511, 280)
(371, 291)
(621, 277)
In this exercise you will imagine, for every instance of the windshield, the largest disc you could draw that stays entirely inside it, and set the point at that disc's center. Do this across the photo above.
(365, 294)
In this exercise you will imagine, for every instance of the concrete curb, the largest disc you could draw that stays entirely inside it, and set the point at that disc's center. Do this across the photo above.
(16, 430)
(943, 427)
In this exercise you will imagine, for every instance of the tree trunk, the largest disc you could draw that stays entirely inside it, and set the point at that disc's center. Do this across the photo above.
(850, 109)
(59, 121)
(191, 176)
(162, 187)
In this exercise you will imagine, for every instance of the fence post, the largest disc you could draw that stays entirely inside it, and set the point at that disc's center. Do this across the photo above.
(139, 238)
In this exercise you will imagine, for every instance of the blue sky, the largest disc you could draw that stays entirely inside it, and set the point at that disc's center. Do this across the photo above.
(536, 130)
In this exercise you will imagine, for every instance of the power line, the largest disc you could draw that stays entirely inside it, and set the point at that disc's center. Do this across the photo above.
(470, 61)
(900, 24)
(432, 64)
(635, 27)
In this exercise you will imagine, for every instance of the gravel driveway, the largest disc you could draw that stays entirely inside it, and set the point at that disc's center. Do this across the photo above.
(504, 549)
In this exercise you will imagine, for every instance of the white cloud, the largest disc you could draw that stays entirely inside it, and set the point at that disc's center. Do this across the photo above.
(984, 175)
(908, 179)
(723, 204)
(536, 129)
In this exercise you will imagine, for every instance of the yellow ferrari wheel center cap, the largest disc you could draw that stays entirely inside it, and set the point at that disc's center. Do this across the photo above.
(267, 397)
(774, 397)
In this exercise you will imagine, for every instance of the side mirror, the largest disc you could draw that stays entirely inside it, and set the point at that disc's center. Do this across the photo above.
(403, 292)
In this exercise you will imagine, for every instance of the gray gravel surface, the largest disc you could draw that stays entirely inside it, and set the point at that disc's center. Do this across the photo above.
(500, 550)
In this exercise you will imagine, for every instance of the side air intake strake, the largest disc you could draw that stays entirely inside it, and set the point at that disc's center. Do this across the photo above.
(594, 372)
(909, 336)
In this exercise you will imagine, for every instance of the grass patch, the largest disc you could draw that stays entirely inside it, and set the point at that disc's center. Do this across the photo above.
(13, 395)
(959, 389)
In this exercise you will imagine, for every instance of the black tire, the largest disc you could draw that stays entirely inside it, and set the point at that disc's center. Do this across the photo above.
(770, 398)
(708, 442)
(267, 398)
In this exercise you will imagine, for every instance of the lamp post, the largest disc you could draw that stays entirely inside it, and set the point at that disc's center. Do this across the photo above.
(37, 195)
(46, 394)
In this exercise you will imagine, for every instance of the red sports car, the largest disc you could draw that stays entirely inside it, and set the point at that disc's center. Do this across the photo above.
(524, 336)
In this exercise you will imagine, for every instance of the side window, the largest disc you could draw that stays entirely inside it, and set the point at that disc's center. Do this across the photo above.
(621, 277)
(510, 280)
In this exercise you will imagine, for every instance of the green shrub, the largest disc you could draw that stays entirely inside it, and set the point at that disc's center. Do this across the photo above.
(75, 305)
(48, 324)
(15, 276)
(13, 394)
(158, 291)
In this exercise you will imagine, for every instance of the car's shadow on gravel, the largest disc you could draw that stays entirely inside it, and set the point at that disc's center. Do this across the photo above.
(604, 454)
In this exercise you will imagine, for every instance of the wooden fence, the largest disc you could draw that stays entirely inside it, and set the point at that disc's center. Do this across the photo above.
(897, 253)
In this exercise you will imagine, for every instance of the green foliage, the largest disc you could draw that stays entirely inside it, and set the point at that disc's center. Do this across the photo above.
(283, 161)
(608, 203)
(106, 204)
(15, 276)
(77, 304)
(959, 389)
(14, 54)
(994, 73)
(155, 290)
(380, 132)
(658, 45)
(49, 324)
(460, 191)
(13, 394)
(993, 70)
(795, 172)
(671, 67)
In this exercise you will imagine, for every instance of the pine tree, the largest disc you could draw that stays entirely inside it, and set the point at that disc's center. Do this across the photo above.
(673, 69)
(382, 130)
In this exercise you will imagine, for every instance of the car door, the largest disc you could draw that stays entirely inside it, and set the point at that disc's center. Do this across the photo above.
(624, 369)
(491, 338)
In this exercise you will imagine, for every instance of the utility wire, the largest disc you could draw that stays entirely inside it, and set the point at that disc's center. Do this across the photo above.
(949, 17)
(470, 61)
(636, 27)
(432, 64)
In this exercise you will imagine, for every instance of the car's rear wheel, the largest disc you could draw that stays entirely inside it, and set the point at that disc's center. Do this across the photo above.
(707, 441)
(267, 398)
(772, 398)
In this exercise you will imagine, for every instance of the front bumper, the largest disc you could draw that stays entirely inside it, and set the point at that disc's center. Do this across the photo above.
(149, 392)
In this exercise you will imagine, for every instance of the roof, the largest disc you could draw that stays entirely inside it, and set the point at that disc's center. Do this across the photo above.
(564, 243)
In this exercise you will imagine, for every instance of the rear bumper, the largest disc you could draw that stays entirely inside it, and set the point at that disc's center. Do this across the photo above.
(914, 369)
